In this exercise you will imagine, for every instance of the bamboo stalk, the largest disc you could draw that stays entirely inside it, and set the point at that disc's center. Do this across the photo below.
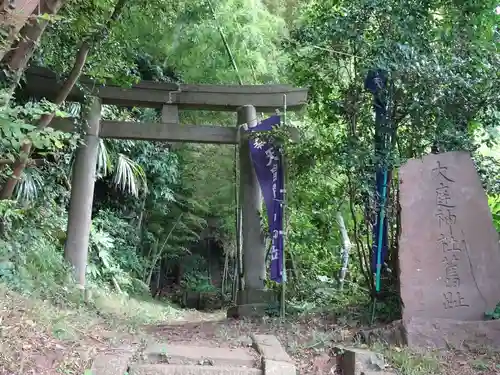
(283, 280)
(225, 272)
(239, 267)
(226, 44)
(346, 249)
(159, 251)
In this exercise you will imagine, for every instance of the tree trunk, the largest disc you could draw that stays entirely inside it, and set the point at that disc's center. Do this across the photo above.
(37, 162)
(12, 19)
(17, 59)
(19, 65)
(44, 121)
(364, 266)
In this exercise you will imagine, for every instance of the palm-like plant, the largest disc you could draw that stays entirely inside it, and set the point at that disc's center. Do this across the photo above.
(128, 175)
(28, 188)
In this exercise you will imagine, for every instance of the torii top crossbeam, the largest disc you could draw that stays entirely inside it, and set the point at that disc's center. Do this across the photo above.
(43, 83)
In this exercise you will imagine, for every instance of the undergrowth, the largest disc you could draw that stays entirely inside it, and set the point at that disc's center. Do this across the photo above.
(410, 363)
(32, 264)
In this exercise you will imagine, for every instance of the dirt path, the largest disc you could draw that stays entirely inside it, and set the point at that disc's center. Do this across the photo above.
(307, 341)
(38, 338)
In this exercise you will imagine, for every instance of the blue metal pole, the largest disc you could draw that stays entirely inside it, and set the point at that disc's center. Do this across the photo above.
(380, 232)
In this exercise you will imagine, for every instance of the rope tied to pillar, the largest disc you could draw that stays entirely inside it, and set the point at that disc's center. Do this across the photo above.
(170, 93)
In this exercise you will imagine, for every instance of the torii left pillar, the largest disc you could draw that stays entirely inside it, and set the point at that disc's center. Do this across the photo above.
(82, 195)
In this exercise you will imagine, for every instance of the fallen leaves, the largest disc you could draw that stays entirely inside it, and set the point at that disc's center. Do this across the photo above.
(27, 343)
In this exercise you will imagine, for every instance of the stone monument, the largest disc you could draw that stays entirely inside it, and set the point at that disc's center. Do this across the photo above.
(449, 255)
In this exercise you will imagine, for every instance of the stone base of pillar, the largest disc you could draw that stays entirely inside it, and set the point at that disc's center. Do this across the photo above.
(253, 310)
(252, 303)
(249, 296)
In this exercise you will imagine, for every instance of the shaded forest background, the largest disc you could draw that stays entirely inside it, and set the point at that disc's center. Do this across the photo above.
(156, 204)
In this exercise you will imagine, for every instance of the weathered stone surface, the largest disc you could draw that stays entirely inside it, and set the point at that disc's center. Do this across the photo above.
(275, 360)
(190, 370)
(278, 368)
(201, 300)
(115, 363)
(179, 354)
(191, 300)
(449, 252)
(391, 334)
(270, 348)
(354, 361)
(424, 333)
(252, 303)
(254, 310)
(251, 296)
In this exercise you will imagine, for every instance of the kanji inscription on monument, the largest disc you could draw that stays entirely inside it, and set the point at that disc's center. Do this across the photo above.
(449, 254)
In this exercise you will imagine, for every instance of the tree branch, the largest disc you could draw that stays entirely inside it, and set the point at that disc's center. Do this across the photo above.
(17, 59)
(30, 162)
(69, 84)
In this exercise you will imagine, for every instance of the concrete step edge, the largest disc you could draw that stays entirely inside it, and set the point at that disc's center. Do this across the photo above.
(166, 369)
(192, 355)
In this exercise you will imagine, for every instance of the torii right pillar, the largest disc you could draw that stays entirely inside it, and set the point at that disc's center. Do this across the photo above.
(253, 299)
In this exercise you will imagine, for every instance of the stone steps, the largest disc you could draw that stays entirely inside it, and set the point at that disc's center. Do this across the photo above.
(266, 357)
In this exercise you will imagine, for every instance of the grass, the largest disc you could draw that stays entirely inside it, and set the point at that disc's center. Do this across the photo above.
(34, 336)
(408, 362)
(135, 312)
(478, 362)
(39, 336)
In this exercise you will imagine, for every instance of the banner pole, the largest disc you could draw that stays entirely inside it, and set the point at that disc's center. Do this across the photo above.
(284, 203)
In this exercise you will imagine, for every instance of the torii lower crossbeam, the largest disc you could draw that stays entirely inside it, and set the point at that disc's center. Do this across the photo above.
(167, 132)
(158, 131)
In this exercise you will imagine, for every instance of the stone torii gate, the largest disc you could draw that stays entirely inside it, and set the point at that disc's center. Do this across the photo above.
(170, 98)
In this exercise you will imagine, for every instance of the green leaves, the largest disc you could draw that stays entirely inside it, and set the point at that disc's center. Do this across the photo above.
(16, 125)
(183, 35)
(494, 203)
(252, 34)
(494, 314)
(441, 89)
(434, 87)
(128, 175)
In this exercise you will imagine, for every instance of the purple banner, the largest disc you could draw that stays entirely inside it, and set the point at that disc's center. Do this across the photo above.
(267, 161)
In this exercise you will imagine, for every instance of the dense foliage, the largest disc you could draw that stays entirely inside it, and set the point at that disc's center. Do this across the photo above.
(152, 201)
(440, 64)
